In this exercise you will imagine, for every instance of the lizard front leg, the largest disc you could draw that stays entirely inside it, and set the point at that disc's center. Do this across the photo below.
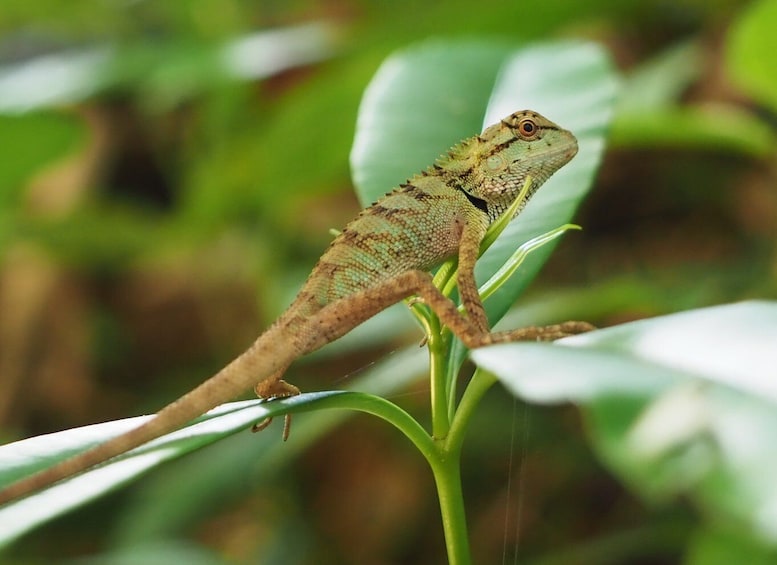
(471, 333)
(469, 251)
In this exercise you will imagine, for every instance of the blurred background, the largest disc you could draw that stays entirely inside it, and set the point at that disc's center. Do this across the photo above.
(169, 172)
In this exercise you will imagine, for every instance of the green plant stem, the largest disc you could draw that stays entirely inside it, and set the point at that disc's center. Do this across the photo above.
(443, 456)
(446, 468)
(478, 385)
(444, 462)
(438, 345)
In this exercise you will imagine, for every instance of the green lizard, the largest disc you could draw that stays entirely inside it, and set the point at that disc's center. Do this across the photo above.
(380, 258)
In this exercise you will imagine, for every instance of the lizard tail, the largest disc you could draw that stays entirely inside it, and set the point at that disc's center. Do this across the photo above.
(269, 355)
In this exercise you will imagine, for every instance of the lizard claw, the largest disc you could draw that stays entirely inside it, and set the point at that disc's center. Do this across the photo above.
(259, 426)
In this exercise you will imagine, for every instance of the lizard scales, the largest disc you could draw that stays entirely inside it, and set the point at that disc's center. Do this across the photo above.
(380, 258)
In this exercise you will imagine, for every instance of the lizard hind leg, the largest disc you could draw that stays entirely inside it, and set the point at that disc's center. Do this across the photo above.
(273, 388)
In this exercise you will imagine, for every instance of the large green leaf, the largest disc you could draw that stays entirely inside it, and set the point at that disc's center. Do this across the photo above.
(420, 102)
(684, 404)
(427, 98)
(575, 86)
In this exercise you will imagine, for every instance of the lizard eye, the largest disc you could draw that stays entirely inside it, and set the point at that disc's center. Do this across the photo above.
(527, 128)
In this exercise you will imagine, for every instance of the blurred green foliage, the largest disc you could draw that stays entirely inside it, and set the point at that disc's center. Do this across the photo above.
(159, 205)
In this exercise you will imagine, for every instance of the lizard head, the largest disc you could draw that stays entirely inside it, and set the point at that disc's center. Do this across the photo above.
(523, 144)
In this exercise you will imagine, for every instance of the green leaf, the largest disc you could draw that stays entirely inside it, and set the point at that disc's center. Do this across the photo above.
(650, 112)
(689, 128)
(425, 99)
(680, 404)
(660, 81)
(717, 547)
(422, 100)
(750, 47)
(508, 269)
(579, 95)
(24, 457)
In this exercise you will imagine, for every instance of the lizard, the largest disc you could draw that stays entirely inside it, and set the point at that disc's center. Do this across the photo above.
(381, 257)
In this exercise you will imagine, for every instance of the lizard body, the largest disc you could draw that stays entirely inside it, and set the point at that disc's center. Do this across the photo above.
(381, 257)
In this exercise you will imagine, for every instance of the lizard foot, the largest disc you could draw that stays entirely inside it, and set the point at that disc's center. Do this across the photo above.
(272, 390)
